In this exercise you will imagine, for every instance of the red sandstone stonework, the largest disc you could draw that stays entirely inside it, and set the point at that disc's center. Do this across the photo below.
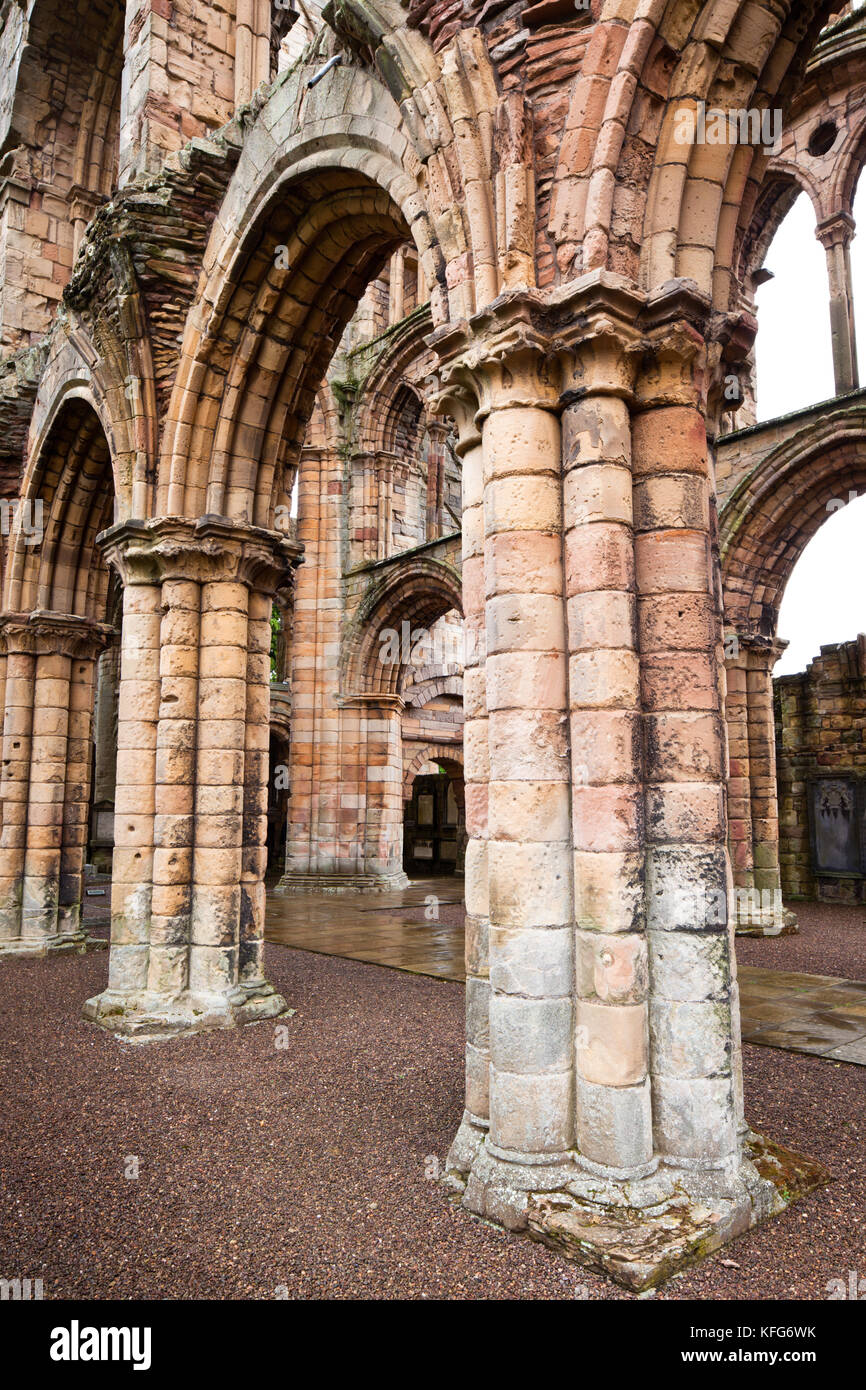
(466, 296)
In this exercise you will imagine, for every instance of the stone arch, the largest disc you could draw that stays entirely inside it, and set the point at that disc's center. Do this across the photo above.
(848, 167)
(776, 198)
(401, 423)
(401, 365)
(116, 378)
(640, 73)
(277, 333)
(708, 185)
(430, 752)
(778, 507)
(81, 108)
(779, 504)
(431, 686)
(418, 593)
(69, 490)
(339, 192)
(52, 630)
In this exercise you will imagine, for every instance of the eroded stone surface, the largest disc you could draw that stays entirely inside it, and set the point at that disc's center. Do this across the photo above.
(555, 292)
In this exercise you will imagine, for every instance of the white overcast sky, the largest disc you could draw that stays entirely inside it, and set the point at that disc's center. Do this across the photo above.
(825, 599)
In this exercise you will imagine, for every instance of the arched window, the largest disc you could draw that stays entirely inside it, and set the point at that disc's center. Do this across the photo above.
(793, 348)
(823, 599)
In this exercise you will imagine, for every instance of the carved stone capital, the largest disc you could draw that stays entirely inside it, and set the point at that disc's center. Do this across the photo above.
(752, 650)
(503, 358)
(763, 652)
(211, 548)
(373, 701)
(46, 633)
(83, 202)
(596, 320)
(674, 369)
(837, 230)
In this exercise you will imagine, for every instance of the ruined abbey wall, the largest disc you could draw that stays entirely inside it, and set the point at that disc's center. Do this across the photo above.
(191, 213)
(820, 724)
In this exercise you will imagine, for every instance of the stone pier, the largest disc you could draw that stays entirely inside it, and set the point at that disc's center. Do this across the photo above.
(187, 910)
(616, 1129)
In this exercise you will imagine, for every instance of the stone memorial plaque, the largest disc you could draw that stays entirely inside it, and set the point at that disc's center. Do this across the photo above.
(835, 826)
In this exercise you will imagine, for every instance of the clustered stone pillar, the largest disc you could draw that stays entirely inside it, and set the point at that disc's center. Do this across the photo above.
(753, 807)
(105, 753)
(345, 765)
(191, 807)
(50, 664)
(616, 1129)
(322, 786)
(529, 848)
(257, 740)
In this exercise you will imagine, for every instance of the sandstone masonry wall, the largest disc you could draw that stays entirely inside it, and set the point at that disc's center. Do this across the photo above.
(821, 761)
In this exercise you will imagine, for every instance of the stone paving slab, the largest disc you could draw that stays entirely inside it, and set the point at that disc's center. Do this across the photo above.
(816, 1014)
(819, 1015)
(374, 927)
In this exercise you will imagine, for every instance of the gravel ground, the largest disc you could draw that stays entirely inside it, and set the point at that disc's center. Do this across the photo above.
(831, 941)
(304, 1166)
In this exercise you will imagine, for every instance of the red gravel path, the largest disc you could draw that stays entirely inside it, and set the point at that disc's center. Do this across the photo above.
(831, 941)
(304, 1167)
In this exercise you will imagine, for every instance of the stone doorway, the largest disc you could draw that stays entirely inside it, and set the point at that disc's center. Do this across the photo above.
(433, 825)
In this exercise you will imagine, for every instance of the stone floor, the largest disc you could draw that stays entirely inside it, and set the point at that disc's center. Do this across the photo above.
(822, 1015)
(378, 927)
(819, 1014)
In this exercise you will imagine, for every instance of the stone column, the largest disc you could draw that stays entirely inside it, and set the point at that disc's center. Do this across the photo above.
(396, 290)
(476, 771)
(105, 756)
(45, 787)
(693, 1015)
(835, 235)
(528, 850)
(254, 836)
(252, 63)
(374, 829)
(315, 773)
(135, 778)
(753, 801)
(603, 518)
(345, 827)
(105, 724)
(18, 646)
(616, 1129)
(772, 917)
(436, 522)
(188, 895)
(77, 792)
(739, 793)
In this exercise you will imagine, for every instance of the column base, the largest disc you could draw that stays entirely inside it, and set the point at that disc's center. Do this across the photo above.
(145, 1017)
(771, 925)
(39, 947)
(639, 1230)
(342, 883)
(468, 1142)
